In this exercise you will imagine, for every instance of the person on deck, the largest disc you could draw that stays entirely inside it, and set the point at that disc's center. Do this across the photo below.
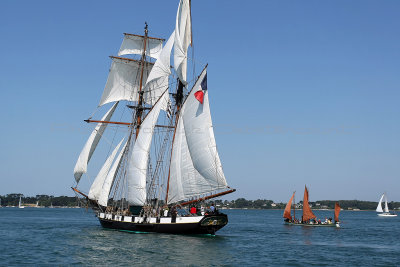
(166, 211)
(174, 212)
(193, 210)
(212, 208)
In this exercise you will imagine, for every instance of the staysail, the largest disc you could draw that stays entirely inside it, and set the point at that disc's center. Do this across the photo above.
(97, 185)
(183, 37)
(379, 207)
(195, 164)
(286, 212)
(134, 44)
(123, 80)
(91, 144)
(139, 158)
(157, 81)
(108, 182)
(337, 211)
(307, 212)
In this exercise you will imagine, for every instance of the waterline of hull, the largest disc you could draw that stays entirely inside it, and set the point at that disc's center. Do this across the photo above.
(387, 215)
(208, 224)
(313, 225)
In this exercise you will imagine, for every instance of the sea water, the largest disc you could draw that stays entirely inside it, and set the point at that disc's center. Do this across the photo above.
(34, 236)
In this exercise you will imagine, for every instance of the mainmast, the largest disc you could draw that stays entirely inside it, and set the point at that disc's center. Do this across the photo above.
(294, 206)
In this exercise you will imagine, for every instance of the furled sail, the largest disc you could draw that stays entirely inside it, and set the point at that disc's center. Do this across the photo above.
(195, 165)
(286, 212)
(307, 212)
(138, 161)
(91, 144)
(386, 204)
(157, 82)
(379, 207)
(97, 185)
(123, 80)
(337, 211)
(134, 44)
(183, 36)
(108, 182)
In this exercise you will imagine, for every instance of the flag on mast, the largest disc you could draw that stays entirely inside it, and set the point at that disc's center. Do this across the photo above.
(199, 95)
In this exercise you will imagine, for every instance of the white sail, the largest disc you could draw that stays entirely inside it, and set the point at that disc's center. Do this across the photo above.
(91, 144)
(195, 164)
(123, 80)
(157, 82)
(379, 208)
(386, 204)
(105, 190)
(97, 185)
(183, 36)
(138, 161)
(134, 44)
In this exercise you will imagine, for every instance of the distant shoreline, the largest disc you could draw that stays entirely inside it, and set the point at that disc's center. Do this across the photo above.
(240, 203)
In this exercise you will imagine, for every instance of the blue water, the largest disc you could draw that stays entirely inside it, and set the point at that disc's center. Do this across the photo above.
(252, 237)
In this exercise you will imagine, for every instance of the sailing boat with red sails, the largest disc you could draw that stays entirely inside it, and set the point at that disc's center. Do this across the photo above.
(308, 218)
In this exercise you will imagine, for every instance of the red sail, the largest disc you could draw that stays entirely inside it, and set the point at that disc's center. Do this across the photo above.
(307, 213)
(337, 211)
(286, 213)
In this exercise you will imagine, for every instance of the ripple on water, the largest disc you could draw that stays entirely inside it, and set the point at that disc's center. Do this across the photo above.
(252, 237)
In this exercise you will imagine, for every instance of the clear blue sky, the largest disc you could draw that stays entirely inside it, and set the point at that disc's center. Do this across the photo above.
(302, 92)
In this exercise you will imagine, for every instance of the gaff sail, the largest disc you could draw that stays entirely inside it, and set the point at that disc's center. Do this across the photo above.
(195, 167)
(337, 211)
(307, 212)
(286, 212)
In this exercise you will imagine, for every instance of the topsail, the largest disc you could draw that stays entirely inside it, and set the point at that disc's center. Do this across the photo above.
(123, 80)
(134, 44)
(183, 38)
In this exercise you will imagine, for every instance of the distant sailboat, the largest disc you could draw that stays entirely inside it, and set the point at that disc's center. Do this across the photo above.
(20, 204)
(308, 218)
(384, 213)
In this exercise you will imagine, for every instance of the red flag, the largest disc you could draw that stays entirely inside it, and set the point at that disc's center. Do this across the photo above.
(199, 95)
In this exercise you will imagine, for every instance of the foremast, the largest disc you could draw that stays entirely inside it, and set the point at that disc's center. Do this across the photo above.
(139, 108)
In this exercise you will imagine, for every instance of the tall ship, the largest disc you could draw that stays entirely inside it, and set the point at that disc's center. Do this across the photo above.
(161, 157)
(385, 212)
(308, 218)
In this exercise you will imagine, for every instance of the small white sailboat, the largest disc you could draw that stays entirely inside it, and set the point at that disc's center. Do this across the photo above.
(20, 204)
(381, 212)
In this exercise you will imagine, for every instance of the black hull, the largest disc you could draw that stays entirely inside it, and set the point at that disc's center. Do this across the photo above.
(208, 225)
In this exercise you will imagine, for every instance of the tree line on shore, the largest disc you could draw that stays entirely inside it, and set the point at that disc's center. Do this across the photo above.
(240, 203)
